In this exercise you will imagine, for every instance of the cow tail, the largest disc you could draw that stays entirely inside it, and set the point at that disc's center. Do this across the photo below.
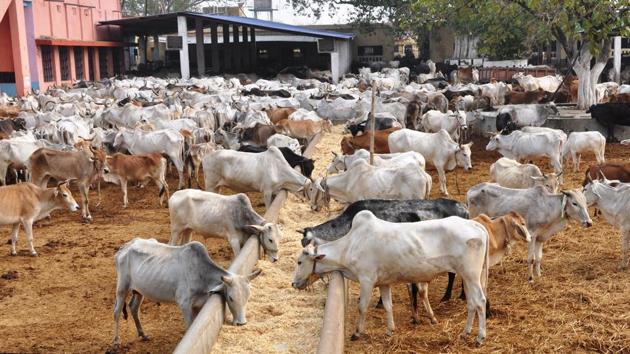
(486, 265)
(124, 310)
(429, 185)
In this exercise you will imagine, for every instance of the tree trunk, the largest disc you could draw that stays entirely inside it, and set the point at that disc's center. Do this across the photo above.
(587, 74)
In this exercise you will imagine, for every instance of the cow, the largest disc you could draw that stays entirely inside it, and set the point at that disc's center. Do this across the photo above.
(512, 174)
(349, 144)
(25, 203)
(8, 126)
(303, 129)
(620, 98)
(613, 201)
(520, 145)
(16, 151)
(342, 163)
(258, 134)
(546, 213)
(306, 165)
(453, 122)
(125, 169)
(166, 142)
(526, 114)
(214, 215)
(495, 92)
(581, 142)
(381, 123)
(277, 114)
(281, 140)
(363, 181)
(83, 166)
(184, 274)
(244, 172)
(611, 170)
(611, 114)
(527, 97)
(503, 231)
(195, 157)
(438, 148)
(381, 253)
(530, 83)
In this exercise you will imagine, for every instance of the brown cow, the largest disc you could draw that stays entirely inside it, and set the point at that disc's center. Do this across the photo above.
(351, 143)
(516, 97)
(26, 203)
(83, 166)
(620, 98)
(303, 129)
(277, 114)
(611, 170)
(194, 158)
(258, 134)
(124, 169)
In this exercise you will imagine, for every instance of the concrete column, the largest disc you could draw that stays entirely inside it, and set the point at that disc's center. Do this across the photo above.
(156, 48)
(142, 51)
(110, 62)
(182, 31)
(201, 56)
(214, 47)
(253, 54)
(86, 64)
(73, 71)
(244, 51)
(56, 65)
(617, 59)
(97, 66)
(226, 48)
(19, 48)
(334, 66)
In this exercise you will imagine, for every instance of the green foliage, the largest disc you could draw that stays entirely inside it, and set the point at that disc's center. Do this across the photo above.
(156, 7)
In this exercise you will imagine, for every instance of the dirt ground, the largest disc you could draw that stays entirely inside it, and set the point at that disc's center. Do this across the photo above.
(61, 301)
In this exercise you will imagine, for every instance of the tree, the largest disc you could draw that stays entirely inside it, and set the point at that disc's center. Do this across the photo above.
(156, 7)
(509, 28)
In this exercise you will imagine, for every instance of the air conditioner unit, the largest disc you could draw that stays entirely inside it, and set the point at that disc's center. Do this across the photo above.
(174, 42)
(325, 45)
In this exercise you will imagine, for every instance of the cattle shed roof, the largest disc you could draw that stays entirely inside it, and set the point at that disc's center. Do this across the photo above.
(167, 23)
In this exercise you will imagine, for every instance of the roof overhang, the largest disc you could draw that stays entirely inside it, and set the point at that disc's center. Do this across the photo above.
(75, 43)
(167, 23)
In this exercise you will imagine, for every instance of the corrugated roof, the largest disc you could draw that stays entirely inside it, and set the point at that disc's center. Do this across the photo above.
(161, 24)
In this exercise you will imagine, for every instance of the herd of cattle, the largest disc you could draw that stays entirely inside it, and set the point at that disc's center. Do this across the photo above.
(251, 136)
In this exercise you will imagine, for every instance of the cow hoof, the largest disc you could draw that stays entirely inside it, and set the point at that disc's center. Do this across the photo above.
(464, 335)
(445, 299)
(33, 254)
(355, 336)
(144, 338)
(433, 320)
(13, 254)
(415, 321)
(389, 333)
(479, 341)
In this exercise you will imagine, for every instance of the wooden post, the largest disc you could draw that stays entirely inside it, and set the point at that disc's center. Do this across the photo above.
(372, 122)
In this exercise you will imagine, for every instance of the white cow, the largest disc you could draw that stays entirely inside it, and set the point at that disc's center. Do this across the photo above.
(281, 140)
(613, 200)
(546, 213)
(210, 214)
(16, 151)
(184, 274)
(512, 174)
(342, 163)
(521, 145)
(453, 122)
(381, 253)
(496, 92)
(582, 142)
(363, 181)
(530, 83)
(266, 172)
(438, 148)
(167, 142)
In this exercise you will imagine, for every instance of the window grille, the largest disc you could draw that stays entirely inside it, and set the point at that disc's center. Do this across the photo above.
(47, 63)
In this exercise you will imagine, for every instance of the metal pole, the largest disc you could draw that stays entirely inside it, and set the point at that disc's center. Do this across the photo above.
(373, 122)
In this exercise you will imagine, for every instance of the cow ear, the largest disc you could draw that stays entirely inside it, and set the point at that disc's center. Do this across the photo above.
(537, 178)
(319, 257)
(253, 229)
(254, 274)
(227, 279)
(217, 289)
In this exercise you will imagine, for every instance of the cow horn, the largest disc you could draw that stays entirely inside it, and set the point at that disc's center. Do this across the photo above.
(588, 176)
(603, 176)
(559, 173)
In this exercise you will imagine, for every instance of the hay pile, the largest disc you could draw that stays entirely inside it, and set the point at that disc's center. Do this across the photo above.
(9, 112)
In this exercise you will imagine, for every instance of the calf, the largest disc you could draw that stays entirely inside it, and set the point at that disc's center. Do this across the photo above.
(381, 253)
(194, 158)
(349, 144)
(520, 145)
(342, 163)
(185, 275)
(512, 174)
(8, 126)
(303, 129)
(527, 97)
(124, 169)
(306, 165)
(210, 214)
(258, 134)
(581, 142)
(26, 203)
(277, 114)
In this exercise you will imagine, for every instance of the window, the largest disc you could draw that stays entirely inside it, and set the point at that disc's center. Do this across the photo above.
(64, 64)
(371, 50)
(297, 52)
(102, 62)
(78, 62)
(47, 63)
(91, 63)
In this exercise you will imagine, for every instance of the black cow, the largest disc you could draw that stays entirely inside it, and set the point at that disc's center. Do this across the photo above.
(505, 124)
(380, 124)
(306, 165)
(611, 114)
(8, 126)
(388, 210)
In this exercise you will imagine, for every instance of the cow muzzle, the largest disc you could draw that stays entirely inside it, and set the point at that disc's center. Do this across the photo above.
(587, 223)
(75, 207)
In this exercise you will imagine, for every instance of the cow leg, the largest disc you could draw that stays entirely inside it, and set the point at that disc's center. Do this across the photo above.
(236, 245)
(386, 293)
(579, 158)
(625, 239)
(413, 302)
(196, 173)
(3, 172)
(268, 199)
(84, 188)
(364, 302)
(134, 306)
(14, 237)
(28, 230)
(476, 303)
(163, 186)
(531, 248)
(187, 311)
(538, 257)
(424, 294)
(442, 178)
(176, 234)
(574, 158)
(123, 187)
(449, 288)
(122, 288)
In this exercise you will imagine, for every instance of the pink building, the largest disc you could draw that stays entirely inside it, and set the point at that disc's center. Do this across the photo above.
(52, 42)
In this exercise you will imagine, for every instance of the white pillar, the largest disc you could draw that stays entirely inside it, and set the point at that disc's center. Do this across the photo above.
(617, 59)
(156, 48)
(142, 57)
(182, 31)
(201, 58)
(334, 66)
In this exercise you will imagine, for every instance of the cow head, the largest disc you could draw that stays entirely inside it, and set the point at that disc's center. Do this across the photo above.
(550, 181)
(236, 290)
(337, 165)
(346, 146)
(463, 156)
(63, 196)
(99, 158)
(317, 193)
(305, 270)
(494, 143)
(269, 236)
(574, 206)
(515, 224)
(551, 109)
(595, 190)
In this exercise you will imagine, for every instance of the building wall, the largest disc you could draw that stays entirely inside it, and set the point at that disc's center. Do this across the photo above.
(75, 19)
(6, 60)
